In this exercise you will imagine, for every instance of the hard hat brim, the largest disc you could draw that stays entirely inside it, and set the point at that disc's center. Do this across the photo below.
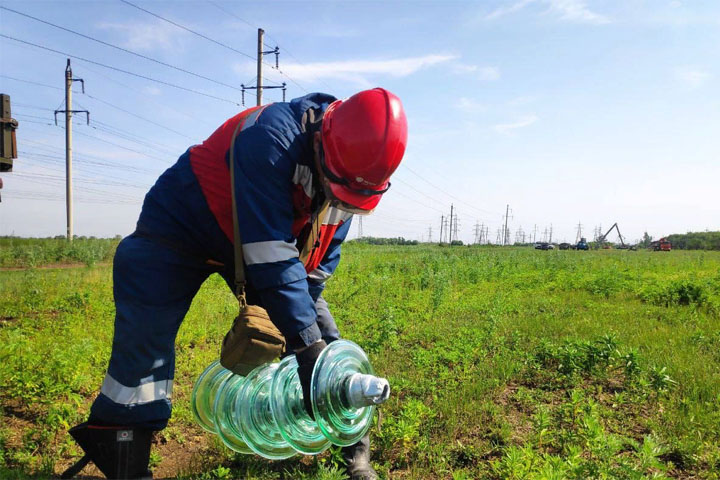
(347, 195)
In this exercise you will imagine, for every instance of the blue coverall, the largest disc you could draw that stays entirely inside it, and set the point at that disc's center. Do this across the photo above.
(184, 222)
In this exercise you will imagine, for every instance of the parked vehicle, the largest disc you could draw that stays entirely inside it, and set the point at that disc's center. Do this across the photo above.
(662, 245)
(582, 244)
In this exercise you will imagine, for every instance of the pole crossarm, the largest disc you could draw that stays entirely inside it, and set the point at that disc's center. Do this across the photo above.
(87, 114)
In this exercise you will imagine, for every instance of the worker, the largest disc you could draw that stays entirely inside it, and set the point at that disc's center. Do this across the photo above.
(301, 170)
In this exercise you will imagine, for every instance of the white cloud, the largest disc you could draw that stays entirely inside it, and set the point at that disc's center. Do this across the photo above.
(357, 72)
(567, 10)
(506, 128)
(501, 11)
(483, 73)
(691, 77)
(146, 36)
(470, 105)
(489, 73)
(576, 11)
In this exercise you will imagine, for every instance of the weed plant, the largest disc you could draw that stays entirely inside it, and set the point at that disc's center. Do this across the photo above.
(504, 364)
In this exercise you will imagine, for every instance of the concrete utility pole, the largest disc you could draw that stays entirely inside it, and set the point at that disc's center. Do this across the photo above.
(68, 143)
(261, 34)
(442, 221)
(68, 150)
(451, 223)
(550, 233)
(259, 87)
(360, 227)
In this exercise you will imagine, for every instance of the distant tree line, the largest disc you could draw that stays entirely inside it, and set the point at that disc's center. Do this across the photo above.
(386, 241)
(695, 240)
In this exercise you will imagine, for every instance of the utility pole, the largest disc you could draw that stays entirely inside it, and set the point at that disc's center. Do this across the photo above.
(259, 87)
(261, 35)
(442, 221)
(68, 143)
(451, 223)
(360, 227)
(550, 233)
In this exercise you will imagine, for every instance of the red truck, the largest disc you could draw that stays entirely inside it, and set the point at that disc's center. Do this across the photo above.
(662, 245)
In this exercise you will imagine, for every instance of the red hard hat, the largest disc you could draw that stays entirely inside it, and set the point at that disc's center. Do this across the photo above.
(364, 139)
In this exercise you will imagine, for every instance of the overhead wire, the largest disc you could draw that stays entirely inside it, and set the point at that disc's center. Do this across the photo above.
(446, 193)
(127, 72)
(107, 44)
(228, 12)
(188, 29)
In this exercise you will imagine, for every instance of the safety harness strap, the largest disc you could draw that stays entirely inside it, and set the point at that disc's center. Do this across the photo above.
(237, 240)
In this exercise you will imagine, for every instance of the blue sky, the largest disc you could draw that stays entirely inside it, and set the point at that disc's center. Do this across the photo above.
(568, 110)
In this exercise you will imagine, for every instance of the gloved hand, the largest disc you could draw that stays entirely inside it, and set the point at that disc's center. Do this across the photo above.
(306, 362)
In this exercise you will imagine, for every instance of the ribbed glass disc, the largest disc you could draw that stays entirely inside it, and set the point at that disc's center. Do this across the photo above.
(339, 422)
(255, 420)
(202, 399)
(225, 418)
(286, 402)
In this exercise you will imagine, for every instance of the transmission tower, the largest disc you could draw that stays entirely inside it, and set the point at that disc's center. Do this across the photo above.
(506, 232)
(579, 232)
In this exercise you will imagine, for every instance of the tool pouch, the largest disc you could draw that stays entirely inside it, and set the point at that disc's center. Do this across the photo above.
(251, 341)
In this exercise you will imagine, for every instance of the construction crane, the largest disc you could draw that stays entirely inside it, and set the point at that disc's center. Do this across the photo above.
(601, 239)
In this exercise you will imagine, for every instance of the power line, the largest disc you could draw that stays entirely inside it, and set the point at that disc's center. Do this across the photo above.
(30, 81)
(188, 30)
(284, 49)
(105, 102)
(443, 191)
(151, 99)
(180, 69)
(145, 77)
(417, 201)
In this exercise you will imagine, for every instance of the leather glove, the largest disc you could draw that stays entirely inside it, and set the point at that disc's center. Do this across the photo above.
(306, 362)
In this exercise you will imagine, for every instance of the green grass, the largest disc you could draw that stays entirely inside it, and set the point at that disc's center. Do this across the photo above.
(34, 252)
(504, 363)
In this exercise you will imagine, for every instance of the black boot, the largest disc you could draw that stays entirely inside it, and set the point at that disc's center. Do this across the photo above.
(357, 459)
(119, 452)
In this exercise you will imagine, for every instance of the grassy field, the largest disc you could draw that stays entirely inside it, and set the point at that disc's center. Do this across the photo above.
(505, 363)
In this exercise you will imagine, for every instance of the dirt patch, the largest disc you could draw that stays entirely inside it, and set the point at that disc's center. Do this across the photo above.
(176, 458)
(8, 320)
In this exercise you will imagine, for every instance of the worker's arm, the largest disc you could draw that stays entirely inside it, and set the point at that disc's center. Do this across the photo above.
(264, 167)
